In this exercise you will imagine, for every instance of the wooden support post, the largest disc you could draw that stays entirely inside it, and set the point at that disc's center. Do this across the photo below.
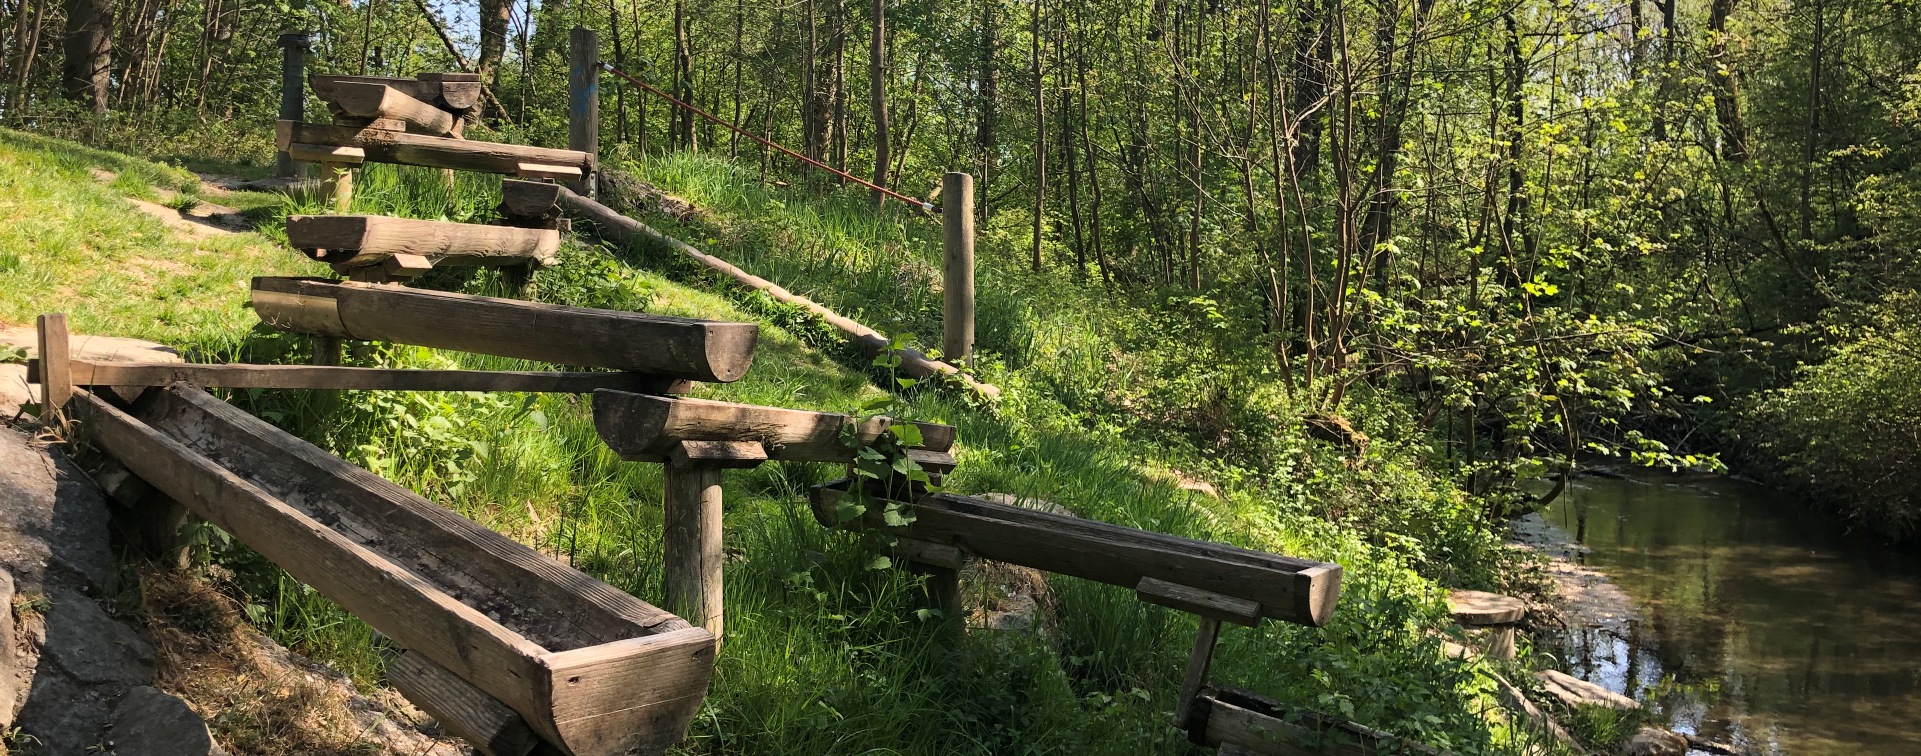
(293, 94)
(957, 280)
(583, 100)
(1196, 676)
(942, 566)
(56, 376)
(326, 350)
(691, 543)
(337, 185)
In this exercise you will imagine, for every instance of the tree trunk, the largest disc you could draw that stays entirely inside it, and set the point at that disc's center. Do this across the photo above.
(1725, 85)
(683, 79)
(1313, 53)
(877, 84)
(620, 88)
(494, 15)
(985, 130)
(89, 47)
(1040, 135)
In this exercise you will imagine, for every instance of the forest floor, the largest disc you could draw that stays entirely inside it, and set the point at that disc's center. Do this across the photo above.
(826, 652)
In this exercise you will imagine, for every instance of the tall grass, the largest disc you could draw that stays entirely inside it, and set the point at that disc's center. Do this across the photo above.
(825, 653)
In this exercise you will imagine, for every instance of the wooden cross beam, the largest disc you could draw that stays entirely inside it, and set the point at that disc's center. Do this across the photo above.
(363, 99)
(98, 373)
(362, 240)
(383, 146)
(460, 96)
(674, 347)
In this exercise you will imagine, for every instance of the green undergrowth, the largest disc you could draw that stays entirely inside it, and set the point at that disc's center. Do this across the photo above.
(826, 650)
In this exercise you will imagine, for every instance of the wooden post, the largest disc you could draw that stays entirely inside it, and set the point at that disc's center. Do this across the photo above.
(293, 94)
(56, 377)
(691, 543)
(583, 100)
(337, 184)
(1197, 663)
(957, 281)
(326, 350)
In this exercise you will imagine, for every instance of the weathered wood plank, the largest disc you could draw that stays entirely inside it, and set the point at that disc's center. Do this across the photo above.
(648, 428)
(1195, 601)
(97, 373)
(720, 454)
(1286, 588)
(56, 386)
(1194, 678)
(370, 100)
(431, 151)
(357, 240)
(320, 153)
(1261, 725)
(676, 347)
(529, 200)
(494, 612)
(460, 97)
(492, 728)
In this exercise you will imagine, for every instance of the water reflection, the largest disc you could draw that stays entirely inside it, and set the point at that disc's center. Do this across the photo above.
(1785, 635)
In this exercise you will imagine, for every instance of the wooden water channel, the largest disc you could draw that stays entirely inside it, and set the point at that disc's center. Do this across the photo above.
(508, 647)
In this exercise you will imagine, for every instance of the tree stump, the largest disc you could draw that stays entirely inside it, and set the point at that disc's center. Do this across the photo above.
(1496, 613)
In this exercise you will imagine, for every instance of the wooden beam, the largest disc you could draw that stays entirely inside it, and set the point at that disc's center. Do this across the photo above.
(548, 171)
(718, 454)
(431, 151)
(56, 385)
(96, 373)
(359, 240)
(1194, 678)
(320, 153)
(370, 100)
(648, 428)
(1286, 588)
(691, 539)
(461, 97)
(619, 228)
(1196, 601)
(1257, 724)
(549, 641)
(675, 347)
(492, 728)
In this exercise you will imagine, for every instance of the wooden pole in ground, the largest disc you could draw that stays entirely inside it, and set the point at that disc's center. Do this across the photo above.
(957, 281)
(691, 544)
(337, 185)
(293, 94)
(583, 100)
(56, 378)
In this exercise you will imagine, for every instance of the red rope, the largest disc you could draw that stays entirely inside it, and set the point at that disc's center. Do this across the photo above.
(915, 201)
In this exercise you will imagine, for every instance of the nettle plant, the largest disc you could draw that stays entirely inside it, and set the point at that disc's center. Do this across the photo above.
(884, 460)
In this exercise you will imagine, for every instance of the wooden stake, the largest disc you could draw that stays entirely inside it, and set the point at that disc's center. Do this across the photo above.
(337, 184)
(583, 101)
(1197, 663)
(692, 545)
(293, 94)
(957, 281)
(56, 377)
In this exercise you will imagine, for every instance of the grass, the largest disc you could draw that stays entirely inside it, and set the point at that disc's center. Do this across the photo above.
(825, 653)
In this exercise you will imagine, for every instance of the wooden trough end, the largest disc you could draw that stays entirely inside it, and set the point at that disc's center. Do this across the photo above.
(1226, 717)
(589, 668)
(647, 428)
(457, 95)
(696, 350)
(1285, 588)
(361, 240)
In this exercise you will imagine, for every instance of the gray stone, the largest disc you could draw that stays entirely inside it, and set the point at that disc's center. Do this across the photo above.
(91, 646)
(52, 518)
(1654, 741)
(14, 389)
(62, 715)
(11, 682)
(148, 722)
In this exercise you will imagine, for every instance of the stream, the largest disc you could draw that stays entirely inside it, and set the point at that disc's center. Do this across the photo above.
(1746, 618)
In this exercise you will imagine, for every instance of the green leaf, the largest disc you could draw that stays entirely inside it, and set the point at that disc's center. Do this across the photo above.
(880, 563)
(908, 434)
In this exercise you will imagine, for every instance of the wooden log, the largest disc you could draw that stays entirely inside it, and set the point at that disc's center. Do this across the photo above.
(358, 240)
(1207, 604)
(718, 454)
(97, 373)
(56, 382)
(529, 200)
(1480, 608)
(460, 97)
(583, 100)
(1286, 588)
(492, 728)
(620, 228)
(431, 151)
(648, 428)
(548, 171)
(293, 98)
(589, 667)
(1225, 716)
(691, 539)
(320, 153)
(379, 101)
(674, 347)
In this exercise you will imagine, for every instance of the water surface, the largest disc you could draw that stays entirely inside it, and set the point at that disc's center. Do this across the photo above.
(1773, 629)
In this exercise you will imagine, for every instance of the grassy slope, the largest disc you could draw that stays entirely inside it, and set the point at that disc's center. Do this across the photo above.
(824, 654)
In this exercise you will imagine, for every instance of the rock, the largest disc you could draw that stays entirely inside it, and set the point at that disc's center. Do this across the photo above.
(87, 347)
(93, 647)
(1039, 505)
(52, 518)
(1514, 700)
(11, 661)
(1654, 741)
(148, 722)
(14, 389)
(1576, 692)
(63, 715)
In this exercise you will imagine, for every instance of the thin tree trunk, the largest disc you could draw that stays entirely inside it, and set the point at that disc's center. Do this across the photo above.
(985, 130)
(494, 15)
(683, 80)
(877, 83)
(740, 60)
(840, 86)
(620, 88)
(1040, 135)
(1812, 139)
(1725, 85)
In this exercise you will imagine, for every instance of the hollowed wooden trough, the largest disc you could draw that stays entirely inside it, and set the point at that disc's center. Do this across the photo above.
(589, 668)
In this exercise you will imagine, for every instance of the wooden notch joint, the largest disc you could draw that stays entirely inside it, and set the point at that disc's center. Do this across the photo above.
(1206, 604)
(718, 454)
